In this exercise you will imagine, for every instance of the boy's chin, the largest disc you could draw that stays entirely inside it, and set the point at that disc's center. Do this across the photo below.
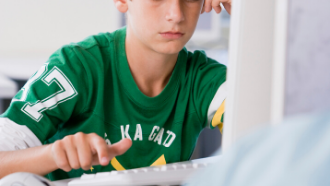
(169, 49)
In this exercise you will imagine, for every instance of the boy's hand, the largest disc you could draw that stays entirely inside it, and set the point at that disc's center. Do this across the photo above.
(215, 4)
(84, 150)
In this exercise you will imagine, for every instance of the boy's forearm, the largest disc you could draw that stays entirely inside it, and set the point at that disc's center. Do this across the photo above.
(37, 160)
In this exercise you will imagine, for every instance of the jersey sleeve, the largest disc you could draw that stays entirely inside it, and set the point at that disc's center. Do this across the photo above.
(53, 95)
(209, 90)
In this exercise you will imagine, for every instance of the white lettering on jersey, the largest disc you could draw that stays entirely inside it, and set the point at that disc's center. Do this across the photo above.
(156, 135)
(33, 79)
(169, 143)
(153, 134)
(106, 139)
(159, 136)
(138, 133)
(67, 92)
(124, 133)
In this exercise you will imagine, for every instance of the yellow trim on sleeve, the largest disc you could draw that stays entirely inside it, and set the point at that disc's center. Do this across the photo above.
(115, 163)
(220, 127)
(216, 121)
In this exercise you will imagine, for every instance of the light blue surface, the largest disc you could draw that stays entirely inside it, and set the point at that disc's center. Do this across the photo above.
(297, 152)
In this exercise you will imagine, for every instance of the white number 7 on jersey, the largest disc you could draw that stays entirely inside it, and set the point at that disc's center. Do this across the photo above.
(67, 92)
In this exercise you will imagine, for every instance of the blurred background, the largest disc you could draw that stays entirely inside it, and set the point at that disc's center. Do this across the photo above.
(30, 31)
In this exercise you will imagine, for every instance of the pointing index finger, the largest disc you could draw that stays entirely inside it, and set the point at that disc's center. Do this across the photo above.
(119, 148)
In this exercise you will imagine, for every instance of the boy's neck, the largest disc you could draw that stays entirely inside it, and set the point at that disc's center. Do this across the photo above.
(150, 69)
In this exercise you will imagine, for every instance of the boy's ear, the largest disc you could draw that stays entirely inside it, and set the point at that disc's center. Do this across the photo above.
(121, 5)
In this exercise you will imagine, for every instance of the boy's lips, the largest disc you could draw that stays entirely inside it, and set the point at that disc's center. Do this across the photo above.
(171, 35)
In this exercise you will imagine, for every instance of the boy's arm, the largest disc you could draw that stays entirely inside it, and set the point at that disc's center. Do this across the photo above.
(72, 152)
(209, 91)
(35, 160)
(51, 97)
(217, 106)
(216, 109)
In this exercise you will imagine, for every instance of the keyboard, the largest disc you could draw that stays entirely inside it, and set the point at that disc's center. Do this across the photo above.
(170, 174)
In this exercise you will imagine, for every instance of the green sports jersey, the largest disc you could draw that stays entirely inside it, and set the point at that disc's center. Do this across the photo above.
(88, 87)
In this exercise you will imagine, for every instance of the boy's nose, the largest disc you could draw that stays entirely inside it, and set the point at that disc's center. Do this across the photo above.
(175, 11)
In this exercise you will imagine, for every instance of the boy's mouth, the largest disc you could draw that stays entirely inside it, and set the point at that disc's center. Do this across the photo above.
(171, 35)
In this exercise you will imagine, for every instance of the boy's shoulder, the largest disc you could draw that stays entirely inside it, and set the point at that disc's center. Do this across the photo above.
(90, 50)
(198, 59)
(98, 41)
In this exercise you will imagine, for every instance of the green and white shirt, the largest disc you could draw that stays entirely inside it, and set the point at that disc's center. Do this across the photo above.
(88, 87)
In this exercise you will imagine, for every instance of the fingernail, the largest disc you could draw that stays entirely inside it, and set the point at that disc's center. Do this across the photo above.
(104, 160)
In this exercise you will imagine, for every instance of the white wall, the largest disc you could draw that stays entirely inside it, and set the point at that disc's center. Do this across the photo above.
(37, 28)
(308, 57)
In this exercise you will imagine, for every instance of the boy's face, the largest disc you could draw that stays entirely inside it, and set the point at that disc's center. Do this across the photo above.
(163, 26)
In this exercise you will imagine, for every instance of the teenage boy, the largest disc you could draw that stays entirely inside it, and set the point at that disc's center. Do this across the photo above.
(137, 87)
